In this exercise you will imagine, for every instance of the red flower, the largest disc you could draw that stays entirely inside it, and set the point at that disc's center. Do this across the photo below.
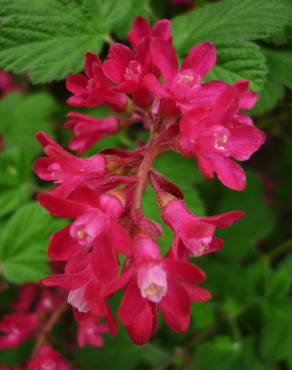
(141, 29)
(88, 130)
(90, 332)
(151, 282)
(93, 88)
(194, 234)
(96, 217)
(215, 134)
(126, 68)
(47, 358)
(65, 169)
(7, 85)
(15, 328)
(180, 87)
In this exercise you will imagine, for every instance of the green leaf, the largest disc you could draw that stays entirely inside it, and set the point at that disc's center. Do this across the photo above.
(202, 315)
(22, 116)
(272, 91)
(276, 336)
(23, 244)
(221, 354)
(280, 64)
(240, 239)
(237, 286)
(48, 38)
(121, 348)
(231, 21)
(237, 61)
(15, 179)
(278, 284)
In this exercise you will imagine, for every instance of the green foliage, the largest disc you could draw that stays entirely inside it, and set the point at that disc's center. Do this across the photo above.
(276, 336)
(257, 224)
(239, 61)
(15, 179)
(48, 38)
(21, 116)
(23, 244)
(231, 21)
(119, 352)
(280, 65)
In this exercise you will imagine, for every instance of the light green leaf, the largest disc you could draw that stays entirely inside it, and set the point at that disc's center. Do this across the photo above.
(48, 38)
(24, 115)
(23, 244)
(231, 21)
(15, 178)
(237, 61)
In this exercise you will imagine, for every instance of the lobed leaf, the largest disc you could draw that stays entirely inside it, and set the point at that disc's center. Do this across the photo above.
(48, 38)
(231, 21)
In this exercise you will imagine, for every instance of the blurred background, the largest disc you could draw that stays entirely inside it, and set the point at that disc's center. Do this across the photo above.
(248, 323)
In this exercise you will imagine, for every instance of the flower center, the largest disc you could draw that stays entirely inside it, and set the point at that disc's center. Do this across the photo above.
(152, 281)
(83, 235)
(133, 71)
(91, 84)
(49, 365)
(220, 141)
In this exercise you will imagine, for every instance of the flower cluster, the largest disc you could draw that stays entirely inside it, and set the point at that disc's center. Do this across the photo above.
(35, 312)
(110, 244)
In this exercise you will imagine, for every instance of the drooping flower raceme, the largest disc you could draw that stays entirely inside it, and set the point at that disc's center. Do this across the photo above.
(109, 243)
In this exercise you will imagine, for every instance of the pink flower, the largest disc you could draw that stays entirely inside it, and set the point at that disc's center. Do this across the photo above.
(93, 88)
(141, 30)
(96, 217)
(15, 328)
(194, 234)
(126, 68)
(48, 359)
(180, 87)
(65, 169)
(7, 85)
(151, 282)
(88, 130)
(91, 332)
(81, 281)
(213, 135)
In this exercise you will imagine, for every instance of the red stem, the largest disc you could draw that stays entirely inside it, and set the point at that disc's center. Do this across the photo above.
(48, 327)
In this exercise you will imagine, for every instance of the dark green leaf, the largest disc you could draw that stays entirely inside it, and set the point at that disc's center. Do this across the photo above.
(240, 239)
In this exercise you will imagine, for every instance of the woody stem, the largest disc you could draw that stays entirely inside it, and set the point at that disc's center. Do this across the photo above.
(48, 327)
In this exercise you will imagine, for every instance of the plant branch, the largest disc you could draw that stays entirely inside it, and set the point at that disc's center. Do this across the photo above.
(142, 174)
(279, 250)
(48, 327)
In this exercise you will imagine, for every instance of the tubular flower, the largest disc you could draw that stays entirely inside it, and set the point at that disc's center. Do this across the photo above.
(109, 243)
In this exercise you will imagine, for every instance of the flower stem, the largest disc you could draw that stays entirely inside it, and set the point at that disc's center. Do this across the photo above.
(279, 250)
(48, 327)
(142, 174)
